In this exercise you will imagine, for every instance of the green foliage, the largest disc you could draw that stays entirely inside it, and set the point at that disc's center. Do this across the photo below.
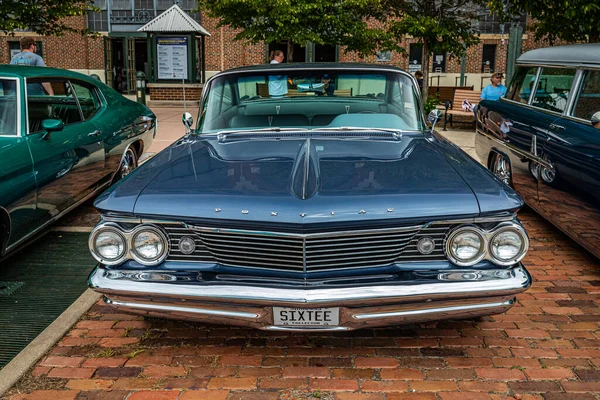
(568, 20)
(430, 104)
(44, 17)
(363, 26)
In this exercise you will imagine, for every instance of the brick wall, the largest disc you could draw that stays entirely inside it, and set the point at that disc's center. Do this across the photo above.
(71, 51)
(175, 94)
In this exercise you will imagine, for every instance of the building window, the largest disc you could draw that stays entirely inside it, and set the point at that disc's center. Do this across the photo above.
(439, 62)
(488, 61)
(383, 56)
(15, 47)
(415, 56)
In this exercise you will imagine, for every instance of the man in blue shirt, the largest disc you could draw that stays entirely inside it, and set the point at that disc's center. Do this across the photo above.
(27, 56)
(495, 90)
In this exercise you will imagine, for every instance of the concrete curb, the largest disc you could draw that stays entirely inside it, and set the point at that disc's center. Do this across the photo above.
(19, 365)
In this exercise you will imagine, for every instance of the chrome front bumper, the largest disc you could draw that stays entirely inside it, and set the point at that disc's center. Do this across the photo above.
(451, 294)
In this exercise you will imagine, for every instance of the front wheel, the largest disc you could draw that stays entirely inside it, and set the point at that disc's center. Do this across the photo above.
(501, 168)
(128, 164)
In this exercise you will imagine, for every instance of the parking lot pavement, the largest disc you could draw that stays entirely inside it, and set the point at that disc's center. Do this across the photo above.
(546, 347)
(170, 127)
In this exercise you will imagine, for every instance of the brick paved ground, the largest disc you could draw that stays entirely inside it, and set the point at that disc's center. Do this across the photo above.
(547, 347)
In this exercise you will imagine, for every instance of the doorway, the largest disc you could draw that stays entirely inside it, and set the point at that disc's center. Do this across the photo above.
(125, 56)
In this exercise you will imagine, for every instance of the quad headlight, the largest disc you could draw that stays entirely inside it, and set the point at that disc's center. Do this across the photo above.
(505, 244)
(110, 244)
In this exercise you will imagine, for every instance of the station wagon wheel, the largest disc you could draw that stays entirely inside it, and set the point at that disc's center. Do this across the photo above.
(548, 175)
(501, 168)
(128, 163)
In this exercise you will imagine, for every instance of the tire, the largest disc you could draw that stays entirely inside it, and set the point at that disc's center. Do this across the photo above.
(129, 162)
(501, 168)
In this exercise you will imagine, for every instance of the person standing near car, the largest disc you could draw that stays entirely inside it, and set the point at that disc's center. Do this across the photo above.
(277, 83)
(496, 89)
(28, 57)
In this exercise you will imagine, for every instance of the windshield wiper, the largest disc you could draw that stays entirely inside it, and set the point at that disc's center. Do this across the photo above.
(271, 129)
(396, 133)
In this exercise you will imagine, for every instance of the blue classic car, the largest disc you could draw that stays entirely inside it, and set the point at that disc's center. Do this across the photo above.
(64, 137)
(312, 204)
(543, 137)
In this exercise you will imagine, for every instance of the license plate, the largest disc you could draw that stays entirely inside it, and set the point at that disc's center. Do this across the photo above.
(306, 316)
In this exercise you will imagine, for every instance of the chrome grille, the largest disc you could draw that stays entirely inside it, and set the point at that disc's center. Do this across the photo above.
(435, 231)
(293, 252)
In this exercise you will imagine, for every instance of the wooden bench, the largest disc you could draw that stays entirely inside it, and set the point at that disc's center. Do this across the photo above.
(454, 107)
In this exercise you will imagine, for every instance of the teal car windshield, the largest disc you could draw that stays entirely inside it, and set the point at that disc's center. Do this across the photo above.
(8, 107)
(311, 100)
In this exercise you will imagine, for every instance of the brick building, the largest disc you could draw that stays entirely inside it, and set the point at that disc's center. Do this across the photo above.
(120, 50)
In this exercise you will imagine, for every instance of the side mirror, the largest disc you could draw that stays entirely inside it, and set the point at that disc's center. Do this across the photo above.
(188, 121)
(596, 120)
(51, 125)
(434, 117)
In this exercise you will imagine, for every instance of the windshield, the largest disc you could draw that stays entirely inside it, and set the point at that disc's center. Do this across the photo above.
(8, 106)
(310, 100)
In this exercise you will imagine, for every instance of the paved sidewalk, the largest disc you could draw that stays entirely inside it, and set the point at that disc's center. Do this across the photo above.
(545, 348)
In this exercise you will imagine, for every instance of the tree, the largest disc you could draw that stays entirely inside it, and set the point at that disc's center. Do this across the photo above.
(363, 26)
(568, 20)
(44, 17)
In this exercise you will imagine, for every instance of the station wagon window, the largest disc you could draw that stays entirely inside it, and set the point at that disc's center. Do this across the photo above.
(40, 106)
(553, 88)
(8, 107)
(588, 101)
(88, 99)
(522, 84)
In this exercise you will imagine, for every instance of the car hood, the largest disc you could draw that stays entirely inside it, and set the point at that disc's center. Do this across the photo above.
(308, 179)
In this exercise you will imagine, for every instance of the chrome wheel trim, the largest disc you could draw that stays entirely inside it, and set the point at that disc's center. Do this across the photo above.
(128, 164)
(502, 169)
(548, 175)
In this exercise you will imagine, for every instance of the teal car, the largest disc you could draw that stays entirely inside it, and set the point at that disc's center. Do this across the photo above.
(64, 137)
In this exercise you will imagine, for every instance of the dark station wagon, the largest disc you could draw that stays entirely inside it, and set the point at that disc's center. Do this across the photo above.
(543, 137)
(310, 197)
(59, 149)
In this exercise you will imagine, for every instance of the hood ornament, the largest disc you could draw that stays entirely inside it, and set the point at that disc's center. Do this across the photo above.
(303, 215)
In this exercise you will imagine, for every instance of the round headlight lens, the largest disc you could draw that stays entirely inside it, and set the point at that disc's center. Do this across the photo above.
(149, 245)
(466, 247)
(506, 246)
(109, 245)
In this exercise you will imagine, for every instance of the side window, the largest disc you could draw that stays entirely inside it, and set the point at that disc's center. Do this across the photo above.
(522, 84)
(88, 99)
(8, 106)
(553, 88)
(60, 105)
(588, 102)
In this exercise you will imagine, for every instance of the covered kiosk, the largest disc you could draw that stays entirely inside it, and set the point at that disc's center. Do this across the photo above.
(177, 58)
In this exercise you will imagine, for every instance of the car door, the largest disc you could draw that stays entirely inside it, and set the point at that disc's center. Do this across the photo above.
(570, 194)
(17, 181)
(66, 161)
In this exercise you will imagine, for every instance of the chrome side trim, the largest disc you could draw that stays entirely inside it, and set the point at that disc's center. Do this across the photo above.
(518, 151)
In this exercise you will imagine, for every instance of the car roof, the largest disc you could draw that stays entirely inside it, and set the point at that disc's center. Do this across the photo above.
(29, 71)
(571, 55)
(329, 66)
